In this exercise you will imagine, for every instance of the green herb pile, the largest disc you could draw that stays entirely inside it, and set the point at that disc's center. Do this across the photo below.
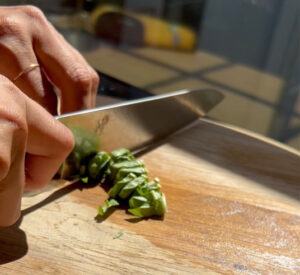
(127, 176)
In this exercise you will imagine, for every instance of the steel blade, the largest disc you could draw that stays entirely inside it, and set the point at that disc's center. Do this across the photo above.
(138, 123)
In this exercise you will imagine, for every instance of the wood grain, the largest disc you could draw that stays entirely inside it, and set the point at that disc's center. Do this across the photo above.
(233, 207)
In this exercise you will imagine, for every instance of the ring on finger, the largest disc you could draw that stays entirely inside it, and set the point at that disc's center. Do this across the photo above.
(30, 68)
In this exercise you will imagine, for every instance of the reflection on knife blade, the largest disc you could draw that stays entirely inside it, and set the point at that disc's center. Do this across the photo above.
(139, 123)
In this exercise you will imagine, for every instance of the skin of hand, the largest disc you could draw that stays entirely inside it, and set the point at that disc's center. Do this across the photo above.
(32, 143)
(31, 149)
(26, 37)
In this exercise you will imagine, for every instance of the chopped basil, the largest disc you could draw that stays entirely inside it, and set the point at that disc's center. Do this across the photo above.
(118, 235)
(107, 204)
(128, 177)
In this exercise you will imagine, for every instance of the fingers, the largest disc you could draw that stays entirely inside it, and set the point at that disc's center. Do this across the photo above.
(26, 37)
(66, 69)
(25, 127)
(37, 87)
(75, 79)
(11, 172)
(16, 55)
(49, 143)
(13, 138)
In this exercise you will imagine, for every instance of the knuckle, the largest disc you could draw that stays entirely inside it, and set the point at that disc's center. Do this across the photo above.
(20, 124)
(12, 109)
(95, 78)
(33, 12)
(17, 120)
(10, 25)
(82, 78)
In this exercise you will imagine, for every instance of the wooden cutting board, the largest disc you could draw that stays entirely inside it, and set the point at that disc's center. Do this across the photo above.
(233, 207)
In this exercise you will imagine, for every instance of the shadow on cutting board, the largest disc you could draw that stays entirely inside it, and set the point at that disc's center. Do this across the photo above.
(54, 196)
(13, 243)
(258, 159)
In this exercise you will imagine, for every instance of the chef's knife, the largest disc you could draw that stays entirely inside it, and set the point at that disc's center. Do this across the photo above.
(138, 123)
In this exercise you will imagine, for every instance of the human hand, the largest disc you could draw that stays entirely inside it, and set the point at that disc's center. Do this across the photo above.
(26, 37)
(32, 146)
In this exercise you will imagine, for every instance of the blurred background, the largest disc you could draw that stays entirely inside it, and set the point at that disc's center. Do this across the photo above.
(248, 49)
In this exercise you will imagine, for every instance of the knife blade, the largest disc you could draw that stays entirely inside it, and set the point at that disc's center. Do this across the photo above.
(138, 123)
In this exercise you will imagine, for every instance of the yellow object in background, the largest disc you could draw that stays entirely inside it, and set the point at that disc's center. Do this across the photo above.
(160, 33)
(121, 26)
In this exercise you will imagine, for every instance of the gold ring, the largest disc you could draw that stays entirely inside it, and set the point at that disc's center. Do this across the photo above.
(27, 70)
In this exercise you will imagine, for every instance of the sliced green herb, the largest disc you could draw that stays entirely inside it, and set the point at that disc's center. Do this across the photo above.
(114, 191)
(85, 180)
(107, 204)
(117, 154)
(136, 201)
(128, 176)
(98, 164)
(118, 235)
(125, 171)
(144, 211)
(131, 186)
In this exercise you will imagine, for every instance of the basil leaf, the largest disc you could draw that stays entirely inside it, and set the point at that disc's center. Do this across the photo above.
(137, 201)
(118, 235)
(145, 189)
(131, 186)
(143, 211)
(114, 191)
(115, 167)
(107, 204)
(117, 154)
(98, 164)
(85, 180)
(137, 171)
(159, 203)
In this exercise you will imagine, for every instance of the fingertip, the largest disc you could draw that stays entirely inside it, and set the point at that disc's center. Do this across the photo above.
(40, 169)
(67, 141)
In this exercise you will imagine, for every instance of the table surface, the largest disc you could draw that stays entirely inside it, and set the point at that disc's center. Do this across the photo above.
(233, 206)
